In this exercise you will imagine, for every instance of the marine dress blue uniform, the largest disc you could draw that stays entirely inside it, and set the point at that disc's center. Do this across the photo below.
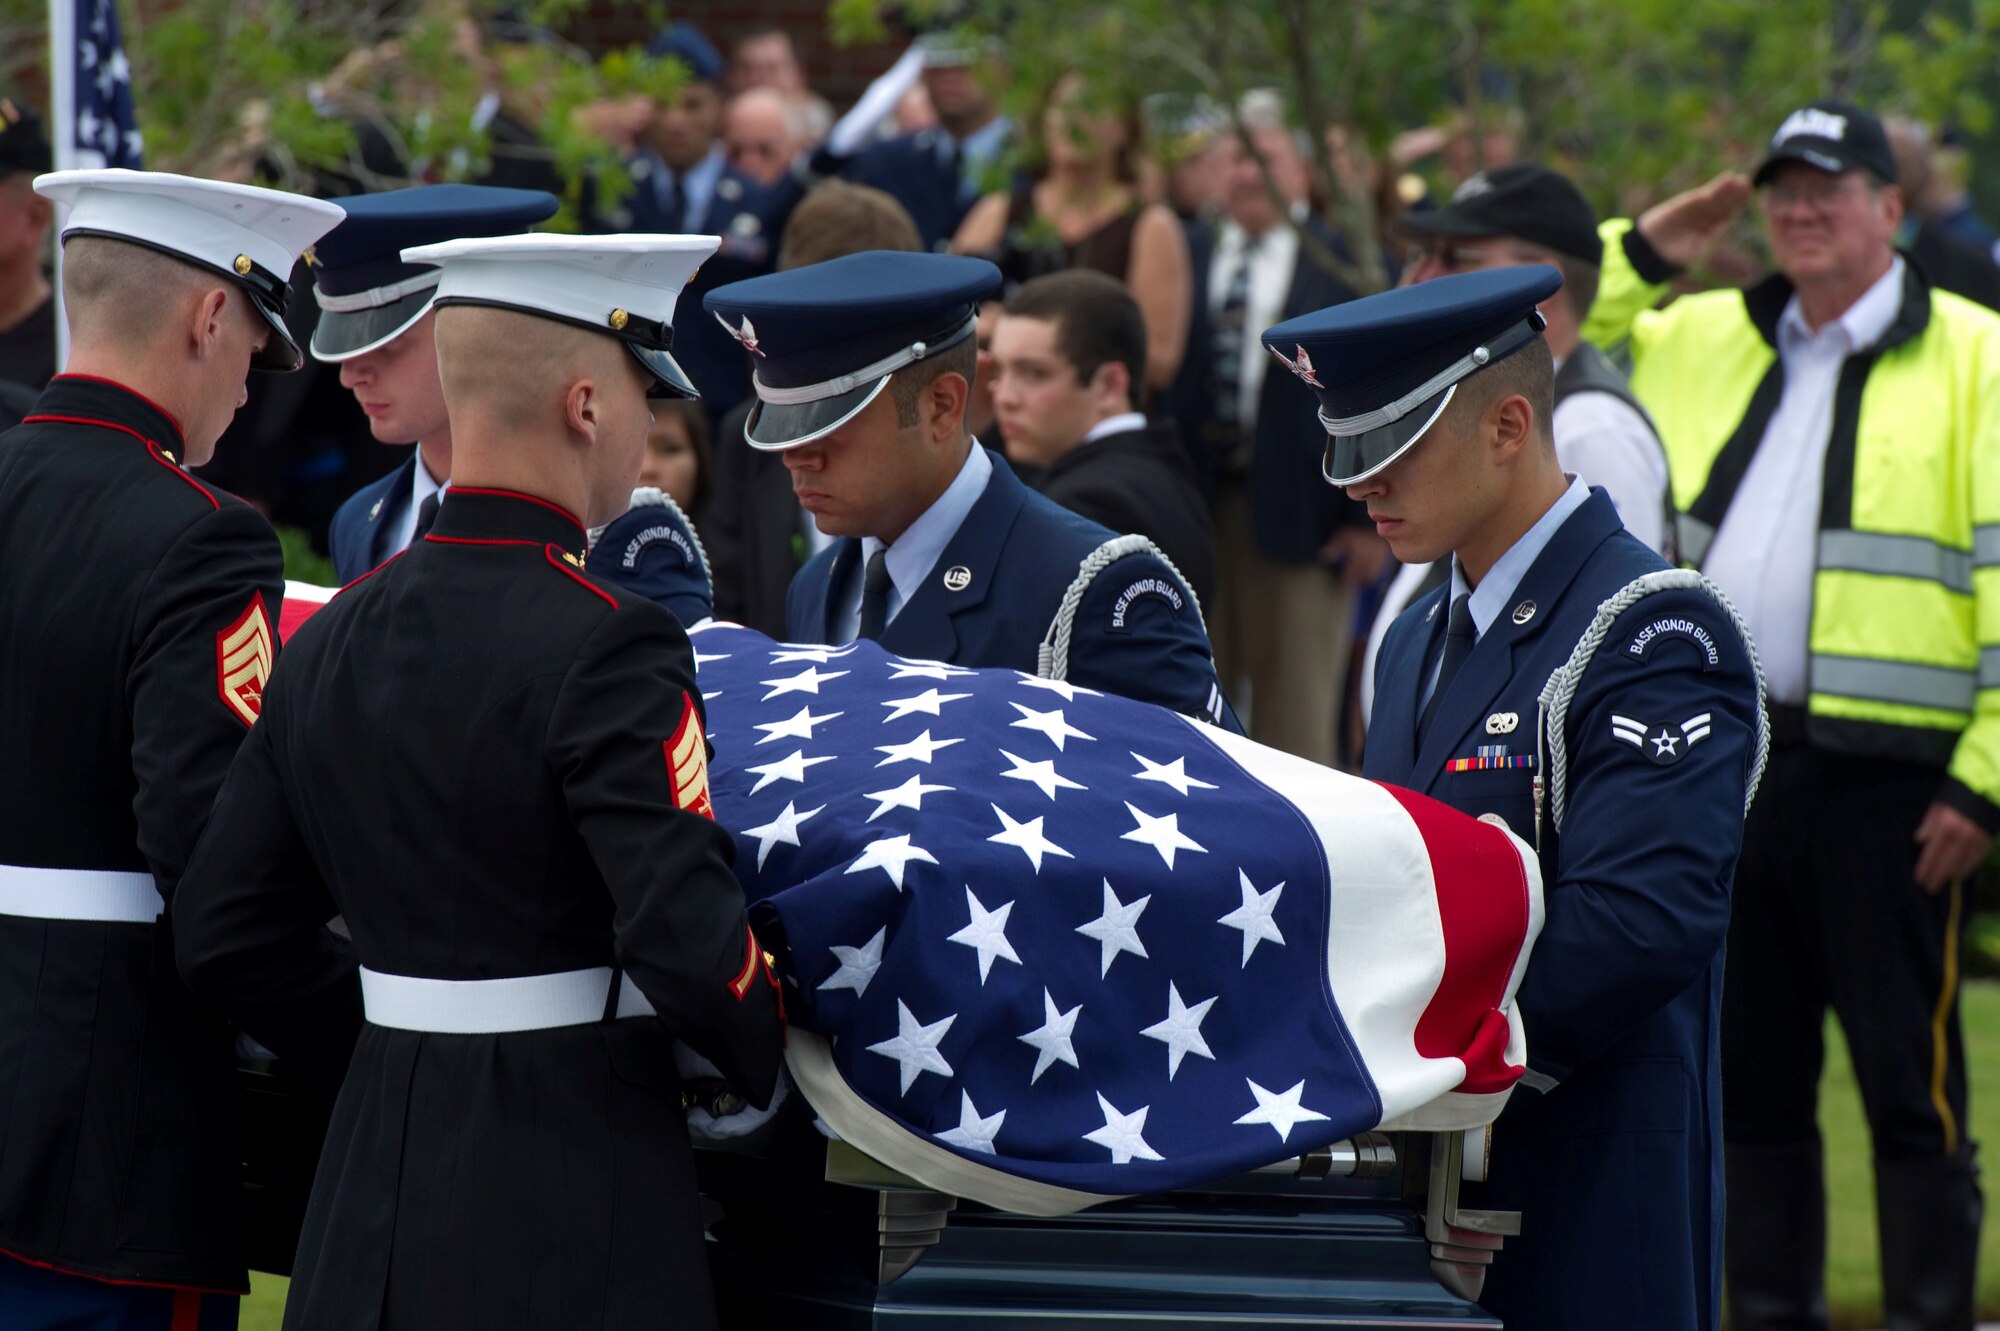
(1609, 711)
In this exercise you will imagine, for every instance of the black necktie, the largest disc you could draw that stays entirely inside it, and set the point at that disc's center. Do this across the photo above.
(426, 514)
(875, 595)
(1458, 639)
(1226, 360)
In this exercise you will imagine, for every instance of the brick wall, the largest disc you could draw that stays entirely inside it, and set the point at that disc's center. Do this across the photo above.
(838, 73)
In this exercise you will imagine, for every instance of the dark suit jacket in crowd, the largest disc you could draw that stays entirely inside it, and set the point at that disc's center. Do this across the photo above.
(1138, 482)
(751, 528)
(1292, 510)
(915, 170)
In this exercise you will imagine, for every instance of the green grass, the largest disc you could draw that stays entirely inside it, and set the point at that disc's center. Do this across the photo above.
(1853, 1275)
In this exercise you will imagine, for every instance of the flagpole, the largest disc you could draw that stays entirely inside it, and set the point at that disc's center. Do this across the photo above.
(62, 124)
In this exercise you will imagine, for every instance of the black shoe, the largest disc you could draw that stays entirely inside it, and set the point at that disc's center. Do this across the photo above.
(1774, 1251)
(1929, 1210)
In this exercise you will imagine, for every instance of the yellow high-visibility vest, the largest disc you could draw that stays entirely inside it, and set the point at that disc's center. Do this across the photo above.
(1904, 643)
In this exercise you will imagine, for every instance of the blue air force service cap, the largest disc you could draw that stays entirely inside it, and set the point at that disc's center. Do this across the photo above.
(825, 339)
(684, 42)
(1385, 367)
(622, 286)
(368, 295)
(249, 235)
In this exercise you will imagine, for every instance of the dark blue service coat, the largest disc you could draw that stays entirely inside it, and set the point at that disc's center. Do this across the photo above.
(1138, 632)
(362, 527)
(1616, 1164)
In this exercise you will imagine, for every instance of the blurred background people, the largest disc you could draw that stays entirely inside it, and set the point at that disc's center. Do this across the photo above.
(1084, 211)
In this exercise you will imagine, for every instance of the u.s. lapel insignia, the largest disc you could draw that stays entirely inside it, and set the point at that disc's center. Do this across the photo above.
(1432, 616)
(243, 658)
(376, 511)
(1524, 612)
(957, 578)
(1663, 745)
(687, 763)
(1503, 723)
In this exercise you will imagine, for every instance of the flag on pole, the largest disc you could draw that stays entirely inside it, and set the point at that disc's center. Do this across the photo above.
(91, 112)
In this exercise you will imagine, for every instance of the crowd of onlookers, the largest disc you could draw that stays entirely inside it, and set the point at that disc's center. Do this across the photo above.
(1204, 223)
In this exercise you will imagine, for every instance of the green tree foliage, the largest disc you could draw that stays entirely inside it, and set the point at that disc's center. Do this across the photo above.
(1634, 98)
(282, 91)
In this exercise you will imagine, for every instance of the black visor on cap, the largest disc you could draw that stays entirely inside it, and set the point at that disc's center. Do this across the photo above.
(1352, 458)
(345, 334)
(280, 354)
(669, 379)
(780, 425)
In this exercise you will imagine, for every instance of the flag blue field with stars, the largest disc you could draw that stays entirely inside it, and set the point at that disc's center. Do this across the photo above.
(106, 132)
(1053, 946)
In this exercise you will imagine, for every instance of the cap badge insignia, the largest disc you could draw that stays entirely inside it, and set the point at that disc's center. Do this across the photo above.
(957, 578)
(243, 265)
(747, 334)
(309, 257)
(1811, 122)
(1302, 367)
(619, 319)
(1663, 744)
(243, 659)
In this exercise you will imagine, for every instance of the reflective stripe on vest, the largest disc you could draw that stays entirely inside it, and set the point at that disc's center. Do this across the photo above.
(1939, 688)
(1985, 547)
(1897, 557)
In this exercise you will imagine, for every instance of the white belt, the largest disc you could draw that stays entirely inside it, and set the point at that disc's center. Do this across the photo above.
(113, 896)
(496, 1007)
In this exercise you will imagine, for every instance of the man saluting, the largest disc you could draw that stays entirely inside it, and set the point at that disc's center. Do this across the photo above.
(1567, 683)
(493, 766)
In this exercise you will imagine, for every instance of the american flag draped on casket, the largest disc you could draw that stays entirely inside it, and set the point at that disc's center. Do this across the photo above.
(1053, 946)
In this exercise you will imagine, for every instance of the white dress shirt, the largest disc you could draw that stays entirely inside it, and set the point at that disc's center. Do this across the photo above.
(917, 551)
(1272, 266)
(1123, 423)
(1602, 440)
(1764, 555)
(422, 486)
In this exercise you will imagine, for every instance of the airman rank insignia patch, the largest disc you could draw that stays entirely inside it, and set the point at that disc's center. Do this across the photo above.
(243, 659)
(1663, 744)
(687, 763)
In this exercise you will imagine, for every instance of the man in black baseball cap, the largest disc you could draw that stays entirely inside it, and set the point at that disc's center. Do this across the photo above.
(27, 307)
(1833, 136)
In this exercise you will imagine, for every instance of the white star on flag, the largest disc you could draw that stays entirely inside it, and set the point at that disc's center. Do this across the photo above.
(1281, 1112)
(806, 681)
(1050, 723)
(784, 828)
(973, 1133)
(1052, 1040)
(857, 964)
(1117, 929)
(1162, 834)
(1043, 774)
(1027, 838)
(1069, 691)
(785, 769)
(891, 856)
(1253, 917)
(1168, 774)
(921, 749)
(1180, 1030)
(1121, 1134)
(930, 702)
(915, 1046)
(700, 660)
(816, 655)
(925, 670)
(909, 795)
(987, 934)
(799, 725)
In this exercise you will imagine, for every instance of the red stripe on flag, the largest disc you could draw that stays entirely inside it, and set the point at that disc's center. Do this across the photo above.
(1482, 897)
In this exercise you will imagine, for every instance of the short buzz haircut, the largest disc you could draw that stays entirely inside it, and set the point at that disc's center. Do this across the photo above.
(908, 385)
(1529, 372)
(838, 218)
(1097, 322)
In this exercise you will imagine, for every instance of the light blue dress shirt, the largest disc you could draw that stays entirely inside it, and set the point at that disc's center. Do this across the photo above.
(917, 551)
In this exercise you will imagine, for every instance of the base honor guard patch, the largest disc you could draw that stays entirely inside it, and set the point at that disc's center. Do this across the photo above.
(1491, 758)
(1663, 744)
(687, 763)
(243, 659)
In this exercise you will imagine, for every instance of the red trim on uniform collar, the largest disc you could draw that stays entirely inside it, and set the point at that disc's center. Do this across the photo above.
(179, 429)
(549, 552)
(516, 494)
(152, 449)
